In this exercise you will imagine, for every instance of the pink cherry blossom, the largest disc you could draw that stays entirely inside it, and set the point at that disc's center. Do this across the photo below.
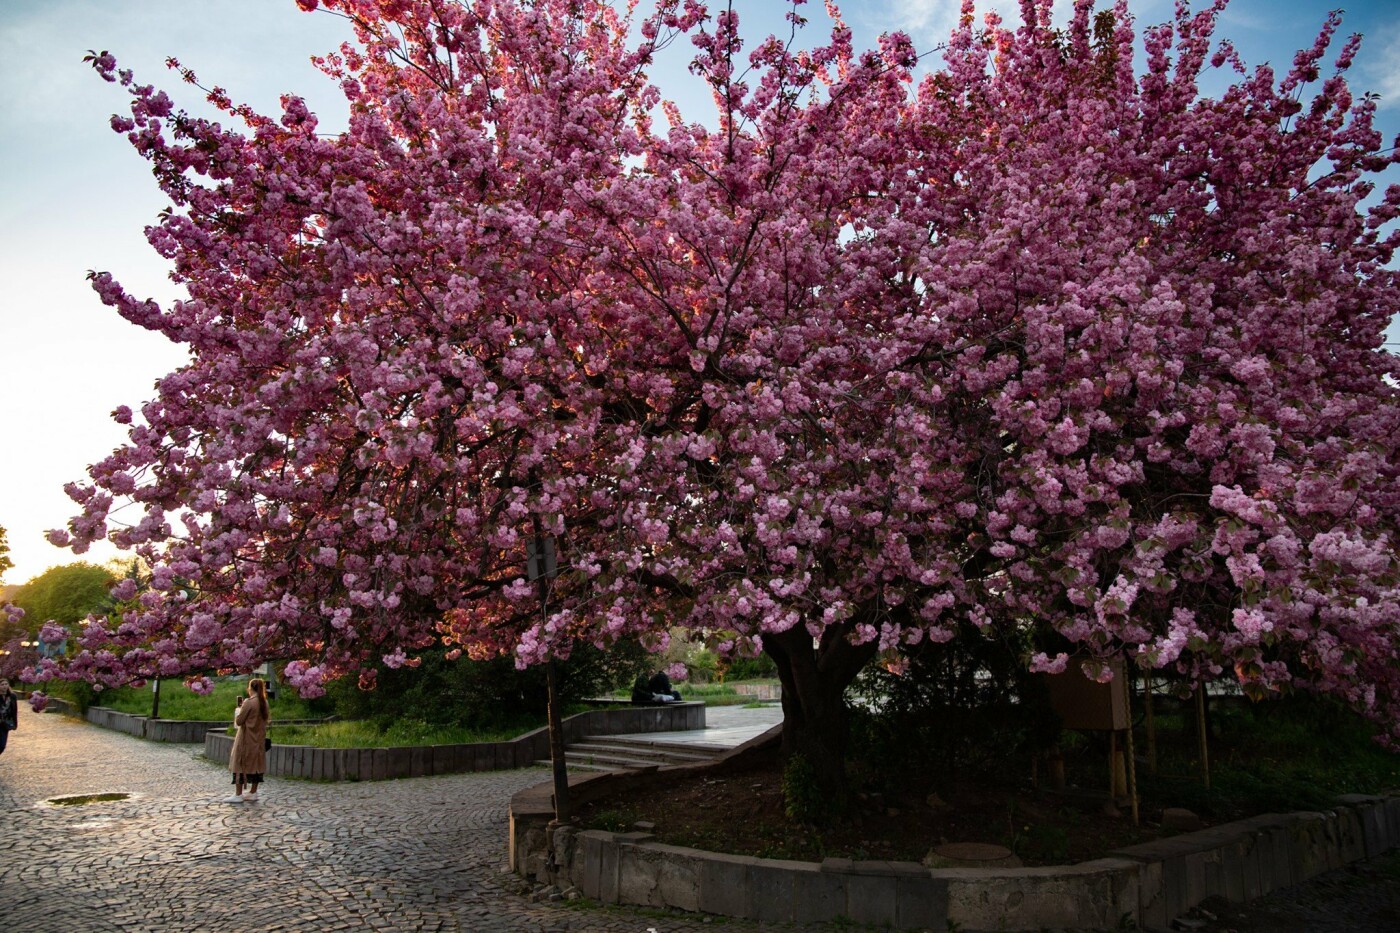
(1049, 340)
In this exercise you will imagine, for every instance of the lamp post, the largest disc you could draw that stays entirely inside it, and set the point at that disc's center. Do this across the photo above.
(155, 697)
(542, 564)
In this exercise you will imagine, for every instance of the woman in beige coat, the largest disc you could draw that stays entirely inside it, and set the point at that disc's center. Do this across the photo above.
(248, 759)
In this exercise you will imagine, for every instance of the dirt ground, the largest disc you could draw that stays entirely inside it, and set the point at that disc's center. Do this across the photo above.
(743, 814)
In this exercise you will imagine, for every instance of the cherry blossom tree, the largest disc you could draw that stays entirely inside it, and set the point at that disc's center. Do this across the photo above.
(1171, 309)
(1049, 340)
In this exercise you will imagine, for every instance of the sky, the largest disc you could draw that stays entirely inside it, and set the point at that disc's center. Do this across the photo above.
(75, 197)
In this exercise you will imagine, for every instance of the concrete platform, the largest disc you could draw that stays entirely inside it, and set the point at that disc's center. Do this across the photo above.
(727, 726)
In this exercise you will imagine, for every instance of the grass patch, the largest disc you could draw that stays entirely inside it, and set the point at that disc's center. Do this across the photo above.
(1280, 756)
(367, 734)
(178, 702)
(711, 694)
(83, 799)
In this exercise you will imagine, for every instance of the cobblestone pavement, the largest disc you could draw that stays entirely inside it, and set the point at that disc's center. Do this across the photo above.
(1362, 898)
(409, 855)
(424, 854)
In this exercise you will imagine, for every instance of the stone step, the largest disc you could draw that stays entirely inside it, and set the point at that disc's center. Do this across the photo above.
(617, 762)
(698, 748)
(604, 763)
(573, 765)
(677, 753)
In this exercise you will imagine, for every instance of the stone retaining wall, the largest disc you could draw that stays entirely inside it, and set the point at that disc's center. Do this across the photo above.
(1148, 885)
(377, 764)
(157, 730)
(58, 705)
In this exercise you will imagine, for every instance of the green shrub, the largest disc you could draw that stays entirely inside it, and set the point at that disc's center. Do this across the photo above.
(758, 668)
(964, 709)
(488, 695)
(180, 703)
(78, 692)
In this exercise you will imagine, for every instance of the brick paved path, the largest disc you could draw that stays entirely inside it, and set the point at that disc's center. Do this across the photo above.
(410, 855)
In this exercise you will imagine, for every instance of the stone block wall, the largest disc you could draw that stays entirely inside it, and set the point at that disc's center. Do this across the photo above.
(377, 764)
(190, 732)
(1147, 885)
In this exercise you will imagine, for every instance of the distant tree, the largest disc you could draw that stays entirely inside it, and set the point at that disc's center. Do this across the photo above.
(5, 562)
(66, 594)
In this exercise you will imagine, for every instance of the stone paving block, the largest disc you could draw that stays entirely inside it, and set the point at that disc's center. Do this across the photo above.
(588, 864)
(372, 767)
(301, 762)
(771, 889)
(724, 885)
(1280, 857)
(1194, 890)
(817, 894)
(396, 762)
(1373, 827)
(1119, 891)
(871, 899)
(1094, 895)
(1349, 836)
(1234, 855)
(1388, 821)
(1305, 837)
(1249, 866)
(608, 870)
(349, 765)
(638, 876)
(1213, 872)
(921, 900)
(678, 881)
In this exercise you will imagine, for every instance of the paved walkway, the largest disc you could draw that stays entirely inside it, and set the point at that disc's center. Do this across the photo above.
(408, 855)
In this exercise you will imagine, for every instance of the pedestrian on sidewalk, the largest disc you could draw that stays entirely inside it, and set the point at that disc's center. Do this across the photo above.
(248, 759)
(9, 713)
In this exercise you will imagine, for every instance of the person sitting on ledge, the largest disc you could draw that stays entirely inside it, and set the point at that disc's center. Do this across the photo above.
(660, 685)
(657, 689)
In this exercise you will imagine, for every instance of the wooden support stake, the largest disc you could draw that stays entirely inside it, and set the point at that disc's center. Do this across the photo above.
(1132, 775)
(1201, 732)
(1151, 720)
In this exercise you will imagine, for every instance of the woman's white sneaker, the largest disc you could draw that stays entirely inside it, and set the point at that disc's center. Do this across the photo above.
(233, 798)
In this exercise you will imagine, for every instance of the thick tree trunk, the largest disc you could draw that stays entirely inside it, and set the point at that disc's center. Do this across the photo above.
(814, 678)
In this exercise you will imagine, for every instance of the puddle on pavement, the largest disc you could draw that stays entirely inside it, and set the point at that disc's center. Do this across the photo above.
(80, 800)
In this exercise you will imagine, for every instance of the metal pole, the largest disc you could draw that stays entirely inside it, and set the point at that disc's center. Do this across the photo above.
(155, 698)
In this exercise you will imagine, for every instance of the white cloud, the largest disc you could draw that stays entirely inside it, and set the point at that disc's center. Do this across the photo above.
(930, 22)
(1381, 71)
